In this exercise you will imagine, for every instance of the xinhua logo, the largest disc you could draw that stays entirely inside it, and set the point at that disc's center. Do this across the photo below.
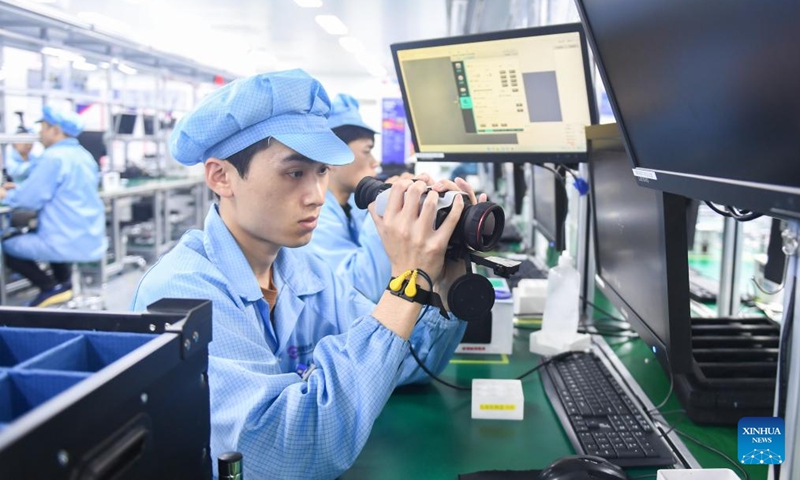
(761, 440)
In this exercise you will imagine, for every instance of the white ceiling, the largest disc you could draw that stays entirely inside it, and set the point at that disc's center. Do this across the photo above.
(249, 36)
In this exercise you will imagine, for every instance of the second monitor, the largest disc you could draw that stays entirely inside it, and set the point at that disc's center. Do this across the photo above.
(520, 95)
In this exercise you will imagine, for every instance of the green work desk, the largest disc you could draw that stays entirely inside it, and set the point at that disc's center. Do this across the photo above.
(426, 431)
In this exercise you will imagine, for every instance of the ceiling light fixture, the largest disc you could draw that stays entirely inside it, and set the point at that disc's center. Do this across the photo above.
(126, 69)
(62, 54)
(84, 66)
(309, 3)
(331, 24)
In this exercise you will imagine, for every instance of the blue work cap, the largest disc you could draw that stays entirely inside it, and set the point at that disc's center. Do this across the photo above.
(70, 122)
(344, 111)
(291, 107)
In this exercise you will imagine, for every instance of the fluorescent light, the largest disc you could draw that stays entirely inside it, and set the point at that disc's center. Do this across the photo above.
(351, 44)
(104, 65)
(309, 3)
(86, 67)
(127, 69)
(331, 24)
(62, 54)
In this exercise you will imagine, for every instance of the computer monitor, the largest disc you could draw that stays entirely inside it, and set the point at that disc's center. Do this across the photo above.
(706, 96)
(149, 123)
(94, 143)
(640, 250)
(722, 369)
(520, 95)
(549, 206)
(520, 188)
(124, 123)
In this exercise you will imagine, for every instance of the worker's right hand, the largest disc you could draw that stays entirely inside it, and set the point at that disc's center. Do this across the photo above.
(407, 230)
(9, 186)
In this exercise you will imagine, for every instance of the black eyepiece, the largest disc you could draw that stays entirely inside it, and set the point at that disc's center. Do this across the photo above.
(367, 190)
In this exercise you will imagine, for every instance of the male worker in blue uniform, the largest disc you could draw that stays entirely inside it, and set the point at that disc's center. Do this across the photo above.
(63, 188)
(346, 236)
(301, 363)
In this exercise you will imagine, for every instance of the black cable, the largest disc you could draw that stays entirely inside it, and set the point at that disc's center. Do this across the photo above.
(558, 174)
(738, 214)
(745, 476)
(604, 312)
(433, 375)
(717, 210)
(547, 362)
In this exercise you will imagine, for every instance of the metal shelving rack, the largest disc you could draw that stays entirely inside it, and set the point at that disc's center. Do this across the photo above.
(30, 27)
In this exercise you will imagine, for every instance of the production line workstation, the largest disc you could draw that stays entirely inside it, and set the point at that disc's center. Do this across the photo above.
(643, 387)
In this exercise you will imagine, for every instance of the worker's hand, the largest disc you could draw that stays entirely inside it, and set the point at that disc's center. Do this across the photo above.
(9, 186)
(454, 269)
(410, 176)
(407, 230)
(459, 184)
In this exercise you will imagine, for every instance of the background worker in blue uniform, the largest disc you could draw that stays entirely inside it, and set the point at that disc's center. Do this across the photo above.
(301, 364)
(63, 188)
(19, 161)
(346, 236)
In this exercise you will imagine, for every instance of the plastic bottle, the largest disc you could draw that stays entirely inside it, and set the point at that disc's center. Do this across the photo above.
(560, 317)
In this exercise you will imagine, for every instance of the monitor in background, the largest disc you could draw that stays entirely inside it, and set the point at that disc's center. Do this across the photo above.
(94, 143)
(549, 206)
(520, 188)
(149, 123)
(124, 123)
(520, 95)
(634, 259)
(706, 96)
(723, 368)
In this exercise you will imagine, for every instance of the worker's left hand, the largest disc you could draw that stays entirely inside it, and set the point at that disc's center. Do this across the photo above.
(453, 269)
(9, 186)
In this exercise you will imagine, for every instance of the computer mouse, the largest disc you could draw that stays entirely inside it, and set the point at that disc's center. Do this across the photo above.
(582, 467)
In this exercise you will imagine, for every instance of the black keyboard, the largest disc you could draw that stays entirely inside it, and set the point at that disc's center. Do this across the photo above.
(599, 417)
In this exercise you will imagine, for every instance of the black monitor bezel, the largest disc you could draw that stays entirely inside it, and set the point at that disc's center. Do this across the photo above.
(674, 354)
(117, 119)
(774, 200)
(499, 157)
(558, 237)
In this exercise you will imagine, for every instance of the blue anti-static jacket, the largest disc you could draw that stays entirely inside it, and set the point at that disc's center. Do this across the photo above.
(17, 168)
(64, 189)
(352, 247)
(284, 426)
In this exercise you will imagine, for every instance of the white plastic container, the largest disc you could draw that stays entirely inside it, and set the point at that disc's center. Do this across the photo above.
(561, 310)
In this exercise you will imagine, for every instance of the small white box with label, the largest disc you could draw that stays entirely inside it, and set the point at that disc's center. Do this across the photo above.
(497, 399)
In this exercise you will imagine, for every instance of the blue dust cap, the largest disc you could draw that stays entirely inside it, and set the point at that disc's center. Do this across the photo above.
(70, 122)
(344, 111)
(291, 107)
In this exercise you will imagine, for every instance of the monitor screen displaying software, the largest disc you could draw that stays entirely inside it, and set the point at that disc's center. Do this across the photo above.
(519, 92)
